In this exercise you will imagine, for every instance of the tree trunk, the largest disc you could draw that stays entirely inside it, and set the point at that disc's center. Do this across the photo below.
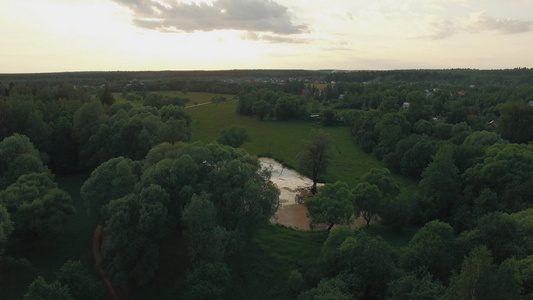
(313, 188)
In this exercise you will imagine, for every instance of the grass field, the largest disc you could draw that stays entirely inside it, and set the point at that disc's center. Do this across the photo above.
(261, 270)
(282, 140)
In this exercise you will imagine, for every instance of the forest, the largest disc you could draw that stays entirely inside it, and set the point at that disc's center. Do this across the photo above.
(147, 185)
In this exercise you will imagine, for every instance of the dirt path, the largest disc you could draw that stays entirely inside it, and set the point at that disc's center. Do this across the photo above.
(97, 239)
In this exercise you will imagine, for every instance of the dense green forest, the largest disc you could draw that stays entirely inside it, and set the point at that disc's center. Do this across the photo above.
(131, 177)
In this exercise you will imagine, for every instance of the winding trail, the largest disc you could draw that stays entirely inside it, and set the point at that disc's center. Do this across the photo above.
(97, 240)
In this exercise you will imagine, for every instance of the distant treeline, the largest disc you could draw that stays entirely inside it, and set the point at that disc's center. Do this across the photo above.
(97, 78)
(518, 75)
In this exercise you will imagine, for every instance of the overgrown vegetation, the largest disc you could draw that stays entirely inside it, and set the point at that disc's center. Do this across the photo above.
(443, 158)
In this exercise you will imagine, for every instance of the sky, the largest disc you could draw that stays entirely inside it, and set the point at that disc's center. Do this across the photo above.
(131, 35)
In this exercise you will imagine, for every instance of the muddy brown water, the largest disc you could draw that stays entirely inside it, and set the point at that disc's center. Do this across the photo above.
(291, 213)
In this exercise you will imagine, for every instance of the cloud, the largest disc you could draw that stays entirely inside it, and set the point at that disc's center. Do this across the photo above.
(271, 38)
(246, 15)
(480, 22)
(440, 28)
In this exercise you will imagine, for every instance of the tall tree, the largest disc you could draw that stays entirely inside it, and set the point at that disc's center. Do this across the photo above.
(316, 156)
(80, 282)
(261, 109)
(481, 279)
(367, 201)
(129, 255)
(37, 207)
(106, 97)
(208, 241)
(382, 178)
(6, 227)
(112, 180)
(42, 290)
(441, 184)
(505, 170)
(516, 119)
(233, 137)
(330, 206)
(18, 157)
(430, 250)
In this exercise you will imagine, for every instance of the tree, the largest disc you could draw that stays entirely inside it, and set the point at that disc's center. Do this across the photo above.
(409, 286)
(172, 176)
(130, 253)
(483, 139)
(335, 238)
(111, 180)
(417, 109)
(316, 156)
(107, 98)
(367, 264)
(329, 117)
(209, 281)
(80, 283)
(287, 108)
(86, 124)
(328, 289)
(18, 157)
(423, 127)
(242, 193)
(208, 241)
(506, 171)
(516, 118)
(362, 125)
(441, 184)
(261, 109)
(233, 137)
(392, 128)
(217, 99)
(330, 206)
(367, 201)
(499, 233)
(389, 105)
(177, 114)
(37, 207)
(430, 250)
(382, 178)
(481, 279)
(396, 214)
(39, 289)
(64, 150)
(413, 154)
(6, 227)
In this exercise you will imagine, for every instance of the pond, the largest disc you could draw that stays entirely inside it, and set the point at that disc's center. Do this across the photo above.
(291, 213)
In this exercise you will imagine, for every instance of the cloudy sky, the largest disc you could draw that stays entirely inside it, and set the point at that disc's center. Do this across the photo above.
(94, 35)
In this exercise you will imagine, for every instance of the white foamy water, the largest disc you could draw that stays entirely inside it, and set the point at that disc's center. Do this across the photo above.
(287, 180)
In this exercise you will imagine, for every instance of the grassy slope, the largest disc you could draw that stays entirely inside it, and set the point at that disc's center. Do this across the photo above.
(48, 254)
(261, 270)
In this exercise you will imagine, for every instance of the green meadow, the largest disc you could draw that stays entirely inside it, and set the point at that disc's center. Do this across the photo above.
(282, 140)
